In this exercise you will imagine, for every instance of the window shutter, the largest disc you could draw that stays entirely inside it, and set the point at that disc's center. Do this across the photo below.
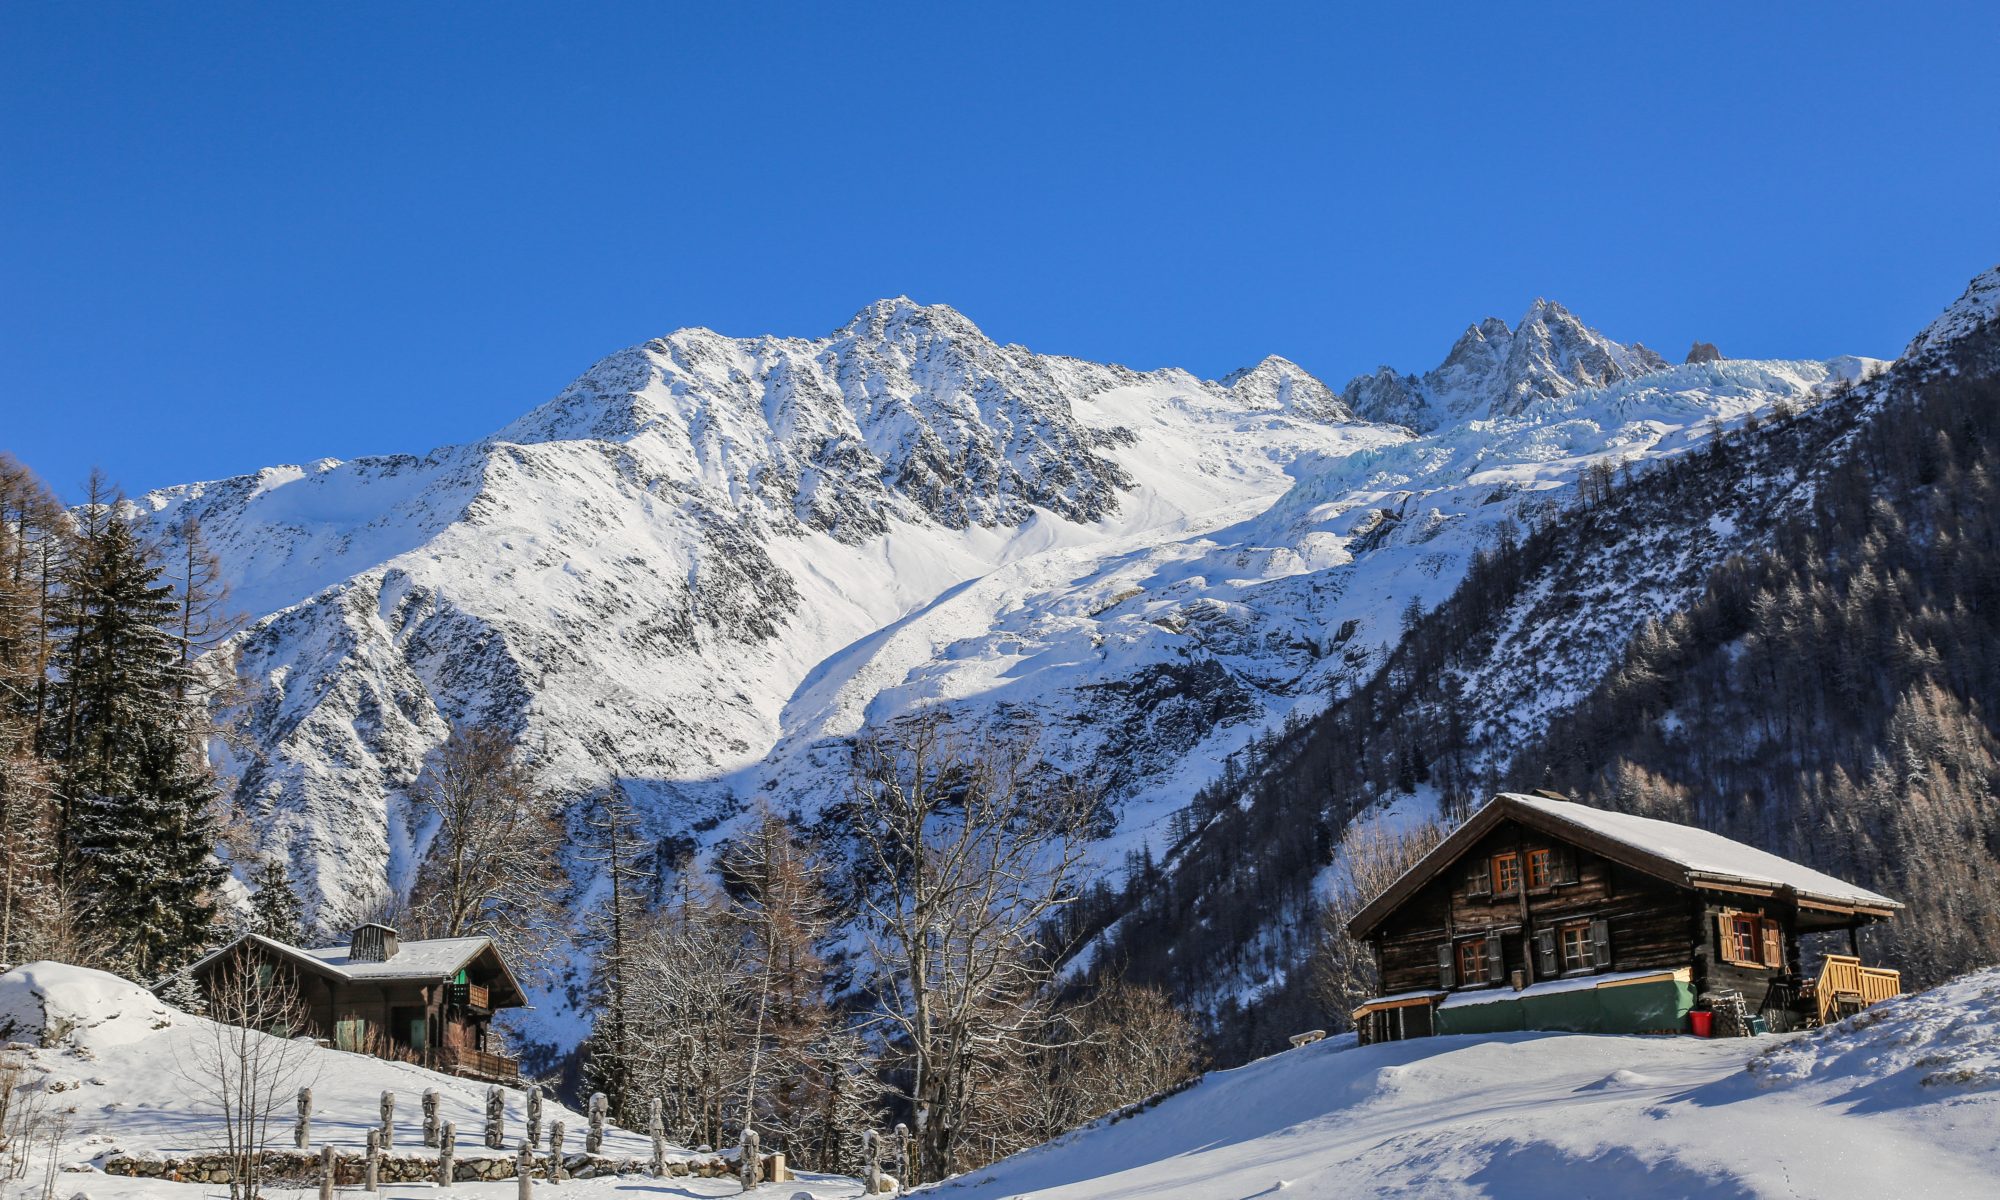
(1545, 950)
(1600, 943)
(1479, 879)
(1565, 864)
(1725, 937)
(1447, 970)
(1774, 943)
(1496, 959)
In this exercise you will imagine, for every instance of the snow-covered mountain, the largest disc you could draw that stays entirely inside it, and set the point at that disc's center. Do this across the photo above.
(1495, 371)
(709, 562)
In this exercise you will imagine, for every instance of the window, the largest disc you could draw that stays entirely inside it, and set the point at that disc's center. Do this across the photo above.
(1541, 868)
(1506, 874)
(1576, 948)
(1748, 940)
(1743, 939)
(1472, 961)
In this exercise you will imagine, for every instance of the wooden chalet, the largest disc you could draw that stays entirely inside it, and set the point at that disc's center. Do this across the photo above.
(1540, 913)
(430, 1002)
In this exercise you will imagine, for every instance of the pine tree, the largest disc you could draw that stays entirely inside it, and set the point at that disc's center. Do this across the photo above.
(136, 789)
(274, 907)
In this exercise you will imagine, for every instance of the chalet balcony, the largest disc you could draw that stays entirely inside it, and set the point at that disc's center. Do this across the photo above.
(474, 996)
(477, 1064)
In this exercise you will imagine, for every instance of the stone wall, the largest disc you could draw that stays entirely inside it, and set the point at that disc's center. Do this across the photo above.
(301, 1167)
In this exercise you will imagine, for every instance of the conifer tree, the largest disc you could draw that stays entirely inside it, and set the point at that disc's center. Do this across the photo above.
(134, 783)
(274, 906)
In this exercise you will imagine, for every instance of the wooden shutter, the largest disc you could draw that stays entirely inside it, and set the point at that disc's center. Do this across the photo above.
(1600, 943)
(1479, 879)
(1725, 936)
(1545, 950)
(1447, 969)
(1496, 959)
(1774, 943)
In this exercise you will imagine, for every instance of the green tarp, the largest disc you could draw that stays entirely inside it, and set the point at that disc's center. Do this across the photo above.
(1652, 1007)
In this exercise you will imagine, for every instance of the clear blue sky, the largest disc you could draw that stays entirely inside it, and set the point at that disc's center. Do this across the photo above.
(233, 235)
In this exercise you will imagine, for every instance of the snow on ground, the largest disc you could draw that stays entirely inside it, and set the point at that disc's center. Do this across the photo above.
(117, 1063)
(1900, 1101)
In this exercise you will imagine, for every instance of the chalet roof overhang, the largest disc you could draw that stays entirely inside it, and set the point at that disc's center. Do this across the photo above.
(1816, 909)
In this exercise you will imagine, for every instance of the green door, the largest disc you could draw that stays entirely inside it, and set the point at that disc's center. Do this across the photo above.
(349, 1033)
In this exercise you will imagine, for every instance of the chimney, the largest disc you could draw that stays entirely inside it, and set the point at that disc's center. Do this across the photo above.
(372, 942)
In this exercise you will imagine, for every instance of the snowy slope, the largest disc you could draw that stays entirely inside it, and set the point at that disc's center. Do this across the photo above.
(1903, 1100)
(123, 1072)
(710, 562)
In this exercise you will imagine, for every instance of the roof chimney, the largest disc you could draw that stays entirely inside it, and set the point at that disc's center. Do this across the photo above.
(371, 942)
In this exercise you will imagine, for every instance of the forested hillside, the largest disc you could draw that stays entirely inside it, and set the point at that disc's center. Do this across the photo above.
(1831, 697)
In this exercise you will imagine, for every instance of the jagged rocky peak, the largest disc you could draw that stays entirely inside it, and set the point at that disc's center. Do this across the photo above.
(1283, 385)
(1497, 370)
(1975, 307)
(1703, 352)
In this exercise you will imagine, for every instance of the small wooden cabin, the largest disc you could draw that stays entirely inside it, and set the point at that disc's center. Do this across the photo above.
(431, 1002)
(1541, 913)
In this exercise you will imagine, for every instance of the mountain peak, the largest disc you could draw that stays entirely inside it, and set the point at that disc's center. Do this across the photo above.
(892, 318)
(1977, 305)
(1494, 370)
(1278, 382)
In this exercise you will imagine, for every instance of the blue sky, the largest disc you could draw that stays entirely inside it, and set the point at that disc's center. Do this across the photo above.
(233, 235)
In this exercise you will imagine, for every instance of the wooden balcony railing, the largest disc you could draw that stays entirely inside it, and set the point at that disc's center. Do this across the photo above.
(478, 1064)
(472, 995)
(1845, 986)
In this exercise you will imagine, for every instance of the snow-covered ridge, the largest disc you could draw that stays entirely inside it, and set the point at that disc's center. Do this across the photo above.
(1979, 304)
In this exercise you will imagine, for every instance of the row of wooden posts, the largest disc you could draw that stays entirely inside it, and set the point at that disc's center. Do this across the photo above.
(443, 1136)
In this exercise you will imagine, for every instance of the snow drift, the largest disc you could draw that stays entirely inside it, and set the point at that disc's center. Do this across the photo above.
(1902, 1100)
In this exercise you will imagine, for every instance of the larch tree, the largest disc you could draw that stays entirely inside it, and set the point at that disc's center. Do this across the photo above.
(614, 843)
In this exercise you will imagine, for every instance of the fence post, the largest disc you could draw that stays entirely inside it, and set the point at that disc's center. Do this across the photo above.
(534, 1114)
(871, 1152)
(430, 1117)
(327, 1163)
(657, 1126)
(388, 1120)
(906, 1177)
(371, 1168)
(447, 1149)
(302, 1131)
(555, 1151)
(496, 1118)
(524, 1171)
(751, 1165)
(593, 1139)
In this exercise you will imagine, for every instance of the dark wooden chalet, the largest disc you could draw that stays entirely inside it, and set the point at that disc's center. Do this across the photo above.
(430, 1002)
(1541, 913)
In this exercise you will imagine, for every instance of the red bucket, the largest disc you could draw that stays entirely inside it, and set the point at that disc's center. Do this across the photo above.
(1704, 1023)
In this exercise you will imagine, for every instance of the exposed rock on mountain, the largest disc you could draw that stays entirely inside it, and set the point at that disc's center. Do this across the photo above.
(1497, 371)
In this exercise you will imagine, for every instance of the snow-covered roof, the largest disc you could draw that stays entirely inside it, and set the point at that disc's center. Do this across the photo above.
(429, 959)
(1706, 855)
(423, 960)
(1680, 854)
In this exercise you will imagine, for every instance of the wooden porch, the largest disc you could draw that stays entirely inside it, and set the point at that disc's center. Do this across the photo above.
(1845, 987)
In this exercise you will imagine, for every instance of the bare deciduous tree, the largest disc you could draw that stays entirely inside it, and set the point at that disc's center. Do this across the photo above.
(489, 868)
(246, 1065)
(972, 851)
(1373, 855)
